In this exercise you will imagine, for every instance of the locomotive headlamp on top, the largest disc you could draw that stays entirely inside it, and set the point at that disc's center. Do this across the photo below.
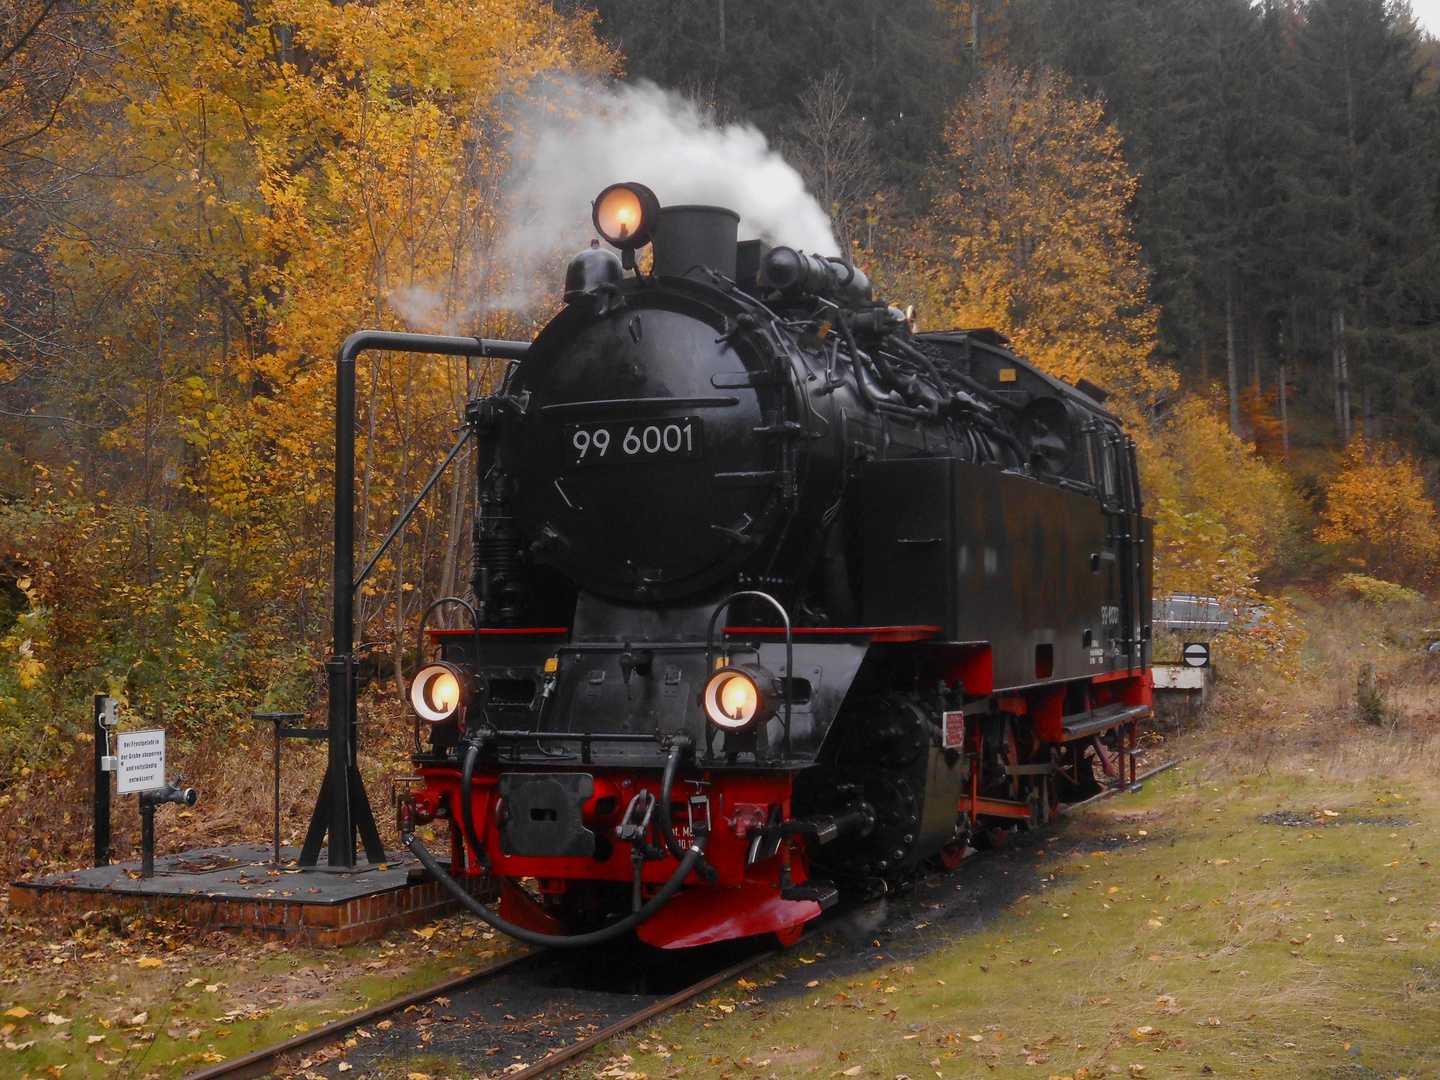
(741, 696)
(440, 690)
(626, 216)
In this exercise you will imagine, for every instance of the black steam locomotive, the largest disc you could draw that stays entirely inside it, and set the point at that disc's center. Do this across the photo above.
(772, 596)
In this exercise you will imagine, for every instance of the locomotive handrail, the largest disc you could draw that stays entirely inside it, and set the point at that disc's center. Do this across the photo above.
(789, 680)
(342, 805)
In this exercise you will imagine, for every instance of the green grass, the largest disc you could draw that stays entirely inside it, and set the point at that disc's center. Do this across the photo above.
(1209, 940)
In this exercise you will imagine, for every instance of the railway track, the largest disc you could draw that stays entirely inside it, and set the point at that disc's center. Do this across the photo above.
(264, 1061)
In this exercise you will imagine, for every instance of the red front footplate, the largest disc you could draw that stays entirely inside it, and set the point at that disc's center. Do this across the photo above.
(704, 914)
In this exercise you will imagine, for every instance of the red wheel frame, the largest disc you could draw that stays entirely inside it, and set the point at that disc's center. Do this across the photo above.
(790, 935)
(952, 855)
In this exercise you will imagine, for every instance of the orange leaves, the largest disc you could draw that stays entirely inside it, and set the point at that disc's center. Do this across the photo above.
(1036, 218)
(1378, 512)
(277, 174)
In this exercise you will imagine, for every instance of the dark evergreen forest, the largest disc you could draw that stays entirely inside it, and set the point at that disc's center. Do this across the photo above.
(1287, 154)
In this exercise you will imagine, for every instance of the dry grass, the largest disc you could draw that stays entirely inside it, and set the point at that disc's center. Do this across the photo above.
(1219, 944)
(1213, 943)
(1303, 718)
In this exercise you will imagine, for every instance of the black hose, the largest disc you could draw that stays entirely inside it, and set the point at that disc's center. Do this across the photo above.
(559, 941)
(667, 781)
(980, 390)
(890, 375)
(467, 818)
(680, 744)
(929, 365)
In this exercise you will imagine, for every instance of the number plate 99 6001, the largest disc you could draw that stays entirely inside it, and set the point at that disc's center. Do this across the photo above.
(662, 439)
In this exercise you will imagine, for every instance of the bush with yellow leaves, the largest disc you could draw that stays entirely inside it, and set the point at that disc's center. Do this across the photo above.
(1379, 514)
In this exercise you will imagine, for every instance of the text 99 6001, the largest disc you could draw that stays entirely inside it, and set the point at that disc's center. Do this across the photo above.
(660, 439)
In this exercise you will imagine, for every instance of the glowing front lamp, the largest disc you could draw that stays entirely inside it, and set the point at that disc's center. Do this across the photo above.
(737, 697)
(440, 690)
(625, 215)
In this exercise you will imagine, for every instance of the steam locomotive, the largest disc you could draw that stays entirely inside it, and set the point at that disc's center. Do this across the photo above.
(772, 597)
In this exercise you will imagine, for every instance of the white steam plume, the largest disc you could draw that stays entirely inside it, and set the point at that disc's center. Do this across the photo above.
(582, 136)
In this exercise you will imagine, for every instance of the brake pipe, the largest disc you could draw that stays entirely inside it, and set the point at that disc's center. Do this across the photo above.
(467, 817)
(678, 745)
(558, 941)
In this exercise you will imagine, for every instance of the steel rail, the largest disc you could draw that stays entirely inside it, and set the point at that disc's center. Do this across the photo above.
(582, 1046)
(262, 1062)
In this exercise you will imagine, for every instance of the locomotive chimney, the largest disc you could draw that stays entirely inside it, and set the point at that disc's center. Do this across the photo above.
(691, 236)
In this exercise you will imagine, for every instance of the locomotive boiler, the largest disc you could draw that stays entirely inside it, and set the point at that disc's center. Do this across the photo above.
(772, 597)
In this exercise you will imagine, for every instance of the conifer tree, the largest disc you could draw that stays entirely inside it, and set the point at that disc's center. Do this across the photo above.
(1359, 228)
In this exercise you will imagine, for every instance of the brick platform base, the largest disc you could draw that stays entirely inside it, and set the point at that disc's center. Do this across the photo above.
(240, 888)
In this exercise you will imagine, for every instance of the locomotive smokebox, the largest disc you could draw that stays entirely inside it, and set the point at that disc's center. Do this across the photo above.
(691, 236)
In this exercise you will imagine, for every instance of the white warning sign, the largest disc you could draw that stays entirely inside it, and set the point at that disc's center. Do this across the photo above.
(142, 760)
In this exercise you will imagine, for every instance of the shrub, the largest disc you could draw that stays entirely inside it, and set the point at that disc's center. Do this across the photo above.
(1376, 592)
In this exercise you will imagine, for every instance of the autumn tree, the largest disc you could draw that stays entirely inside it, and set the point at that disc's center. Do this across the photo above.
(1223, 514)
(46, 49)
(270, 177)
(1032, 216)
(1379, 514)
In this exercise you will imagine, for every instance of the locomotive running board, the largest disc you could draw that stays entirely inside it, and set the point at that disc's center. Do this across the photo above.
(1081, 725)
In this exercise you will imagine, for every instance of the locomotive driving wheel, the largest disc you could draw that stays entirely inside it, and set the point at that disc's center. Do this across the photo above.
(1024, 767)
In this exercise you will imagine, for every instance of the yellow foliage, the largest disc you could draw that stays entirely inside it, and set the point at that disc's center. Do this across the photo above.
(1222, 513)
(1035, 219)
(1378, 512)
(251, 183)
(1375, 592)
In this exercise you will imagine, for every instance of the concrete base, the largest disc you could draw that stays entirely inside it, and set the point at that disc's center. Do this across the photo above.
(241, 888)
(1182, 692)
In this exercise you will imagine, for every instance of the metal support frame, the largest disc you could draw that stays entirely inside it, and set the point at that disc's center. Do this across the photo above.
(102, 783)
(342, 808)
(278, 720)
(147, 837)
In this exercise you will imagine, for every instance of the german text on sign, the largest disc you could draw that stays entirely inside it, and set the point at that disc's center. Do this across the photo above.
(142, 760)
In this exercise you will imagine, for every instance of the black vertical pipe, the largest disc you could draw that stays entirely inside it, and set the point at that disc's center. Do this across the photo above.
(147, 837)
(102, 785)
(276, 726)
(341, 826)
(334, 809)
